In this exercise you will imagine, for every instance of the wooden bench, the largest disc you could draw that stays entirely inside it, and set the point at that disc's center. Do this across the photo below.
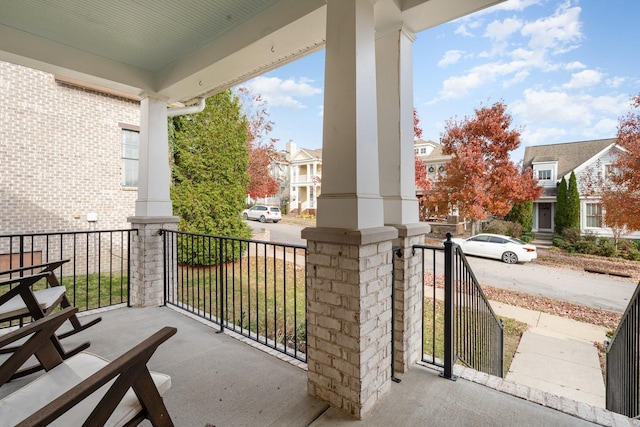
(85, 389)
(18, 302)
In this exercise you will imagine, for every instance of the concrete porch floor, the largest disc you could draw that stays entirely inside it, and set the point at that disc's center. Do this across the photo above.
(221, 381)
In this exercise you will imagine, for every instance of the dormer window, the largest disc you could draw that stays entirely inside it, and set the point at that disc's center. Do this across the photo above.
(544, 175)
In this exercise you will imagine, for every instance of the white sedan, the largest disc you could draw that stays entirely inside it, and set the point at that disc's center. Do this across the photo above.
(508, 249)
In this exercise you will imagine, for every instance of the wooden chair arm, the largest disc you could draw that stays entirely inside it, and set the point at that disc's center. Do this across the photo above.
(42, 344)
(23, 287)
(131, 372)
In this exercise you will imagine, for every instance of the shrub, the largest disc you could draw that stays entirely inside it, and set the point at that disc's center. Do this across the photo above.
(571, 235)
(584, 246)
(528, 236)
(506, 228)
(606, 247)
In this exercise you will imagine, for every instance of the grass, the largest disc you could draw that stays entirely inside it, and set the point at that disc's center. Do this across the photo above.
(89, 291)
(434, 343)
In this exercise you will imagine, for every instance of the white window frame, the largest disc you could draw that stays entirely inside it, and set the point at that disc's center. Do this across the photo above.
(130, 153)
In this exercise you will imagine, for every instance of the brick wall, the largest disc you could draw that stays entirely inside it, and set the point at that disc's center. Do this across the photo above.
(61, 154)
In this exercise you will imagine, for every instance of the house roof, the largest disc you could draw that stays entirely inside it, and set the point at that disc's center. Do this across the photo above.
(569, 155)
(435, 154)
(306, 154)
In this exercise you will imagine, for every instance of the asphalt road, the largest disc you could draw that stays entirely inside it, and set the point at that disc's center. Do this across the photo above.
(595, 290)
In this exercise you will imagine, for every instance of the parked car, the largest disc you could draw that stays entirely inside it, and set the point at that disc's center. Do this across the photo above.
(263, 213)
(508, 249)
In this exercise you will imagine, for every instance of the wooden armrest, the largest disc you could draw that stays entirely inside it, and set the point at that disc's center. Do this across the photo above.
(129, 371)
(48, 266)
(42, 344)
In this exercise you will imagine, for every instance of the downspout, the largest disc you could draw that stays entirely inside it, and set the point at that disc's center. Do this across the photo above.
(191, 109)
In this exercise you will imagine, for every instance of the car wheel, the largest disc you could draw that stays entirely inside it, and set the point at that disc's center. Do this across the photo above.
(275, 222)
(510, 258)
(245, 216)
(263, 219)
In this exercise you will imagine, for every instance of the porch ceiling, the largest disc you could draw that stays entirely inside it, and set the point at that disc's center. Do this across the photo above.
(181, 50)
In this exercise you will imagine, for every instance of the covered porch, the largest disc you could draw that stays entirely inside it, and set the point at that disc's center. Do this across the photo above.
(219, 380)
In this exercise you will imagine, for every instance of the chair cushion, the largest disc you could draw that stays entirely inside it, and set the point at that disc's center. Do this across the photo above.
(25, 401)
(46, 298)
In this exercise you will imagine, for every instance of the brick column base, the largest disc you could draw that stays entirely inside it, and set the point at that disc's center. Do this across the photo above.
(147, 259)
(349, 280)
(407, 294)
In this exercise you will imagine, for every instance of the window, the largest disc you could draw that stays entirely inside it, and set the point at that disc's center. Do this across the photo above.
(130, 150)
(423, 150)
(594, 215)
(544, 175)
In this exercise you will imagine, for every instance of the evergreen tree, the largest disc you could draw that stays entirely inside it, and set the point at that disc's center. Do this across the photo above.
(573, 203)
(523, 215)
(560, 217)
(210, 159)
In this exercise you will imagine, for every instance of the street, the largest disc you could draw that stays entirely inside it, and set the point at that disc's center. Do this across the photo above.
(595, 290)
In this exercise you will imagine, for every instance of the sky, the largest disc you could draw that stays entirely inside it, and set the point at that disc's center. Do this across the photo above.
(565, 69)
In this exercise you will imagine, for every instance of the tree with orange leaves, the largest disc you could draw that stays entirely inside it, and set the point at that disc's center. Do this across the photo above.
(619, 189)
(481, 180)
(262, 152)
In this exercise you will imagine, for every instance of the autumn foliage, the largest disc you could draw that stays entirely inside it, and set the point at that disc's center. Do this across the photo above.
(262, 152)
(481, 180)
(619, 190)
(422, 181)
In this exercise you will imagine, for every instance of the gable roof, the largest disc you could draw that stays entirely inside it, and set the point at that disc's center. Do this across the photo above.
(569, 155)
(306, 154)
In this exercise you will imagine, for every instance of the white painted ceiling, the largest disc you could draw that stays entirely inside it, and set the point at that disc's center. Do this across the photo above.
(181, 49)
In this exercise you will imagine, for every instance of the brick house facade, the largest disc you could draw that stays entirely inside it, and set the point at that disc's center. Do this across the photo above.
(61, 148)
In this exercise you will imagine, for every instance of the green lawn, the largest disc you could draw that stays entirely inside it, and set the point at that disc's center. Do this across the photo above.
(434, 345)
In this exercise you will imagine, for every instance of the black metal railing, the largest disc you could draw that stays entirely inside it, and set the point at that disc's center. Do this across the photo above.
(97, 274)
(254, 288)
(458, 322)
(623, 363)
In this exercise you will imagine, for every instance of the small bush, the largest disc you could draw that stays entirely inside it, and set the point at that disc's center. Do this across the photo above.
(505, 228)
(588, 247)
(528, 236)
(571, 235)
(606, 247)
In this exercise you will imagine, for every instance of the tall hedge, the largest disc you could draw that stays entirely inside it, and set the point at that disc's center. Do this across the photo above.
(573, 203)
(209, 170)
(523, 215)
(561, 215)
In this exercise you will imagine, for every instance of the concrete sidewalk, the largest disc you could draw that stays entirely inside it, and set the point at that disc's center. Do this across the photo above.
(557, 355)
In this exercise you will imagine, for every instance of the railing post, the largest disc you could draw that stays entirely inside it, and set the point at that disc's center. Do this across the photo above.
(221, 283)
(448, 309)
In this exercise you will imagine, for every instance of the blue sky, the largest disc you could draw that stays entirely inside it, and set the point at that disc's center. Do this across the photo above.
(565, 69)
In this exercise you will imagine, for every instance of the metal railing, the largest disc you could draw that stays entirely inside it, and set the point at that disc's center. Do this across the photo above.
(97, 274)
(623, 363)
(458, 322)
(254, 288)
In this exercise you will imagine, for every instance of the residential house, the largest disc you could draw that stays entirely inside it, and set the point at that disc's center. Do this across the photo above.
(550, 163)
(430, 153)
(69, 151)
(305, 172)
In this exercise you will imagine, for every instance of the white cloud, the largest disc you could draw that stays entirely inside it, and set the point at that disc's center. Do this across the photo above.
(583, 79)
(615, 81)
(559, 32)
(283, 93)
(585, 112)
(500, 30)
(515, 5)
(466, 26)
(450, 57)
(575, 65)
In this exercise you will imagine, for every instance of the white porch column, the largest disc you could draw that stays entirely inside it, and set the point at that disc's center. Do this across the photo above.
(350, 187)
(153, 208)
(394, 63)
(349, 268)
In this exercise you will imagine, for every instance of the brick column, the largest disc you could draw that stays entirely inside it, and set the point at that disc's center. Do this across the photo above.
(147, 259)
(349, 279)
(408, 297)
